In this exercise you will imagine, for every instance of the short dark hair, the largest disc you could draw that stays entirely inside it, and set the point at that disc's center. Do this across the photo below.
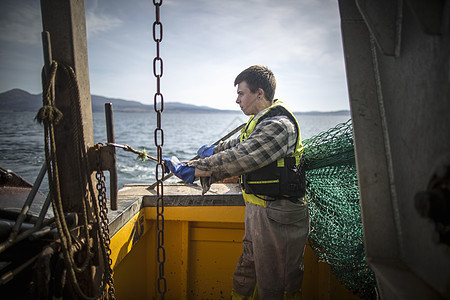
(258, 77)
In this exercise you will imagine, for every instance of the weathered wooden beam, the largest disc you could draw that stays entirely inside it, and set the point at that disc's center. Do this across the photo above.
(65, 21)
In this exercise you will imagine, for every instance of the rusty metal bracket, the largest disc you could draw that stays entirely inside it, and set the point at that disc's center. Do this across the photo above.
(103, 157)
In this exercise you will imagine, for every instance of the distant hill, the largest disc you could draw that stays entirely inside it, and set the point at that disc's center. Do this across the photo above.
(333, 113)
(18, 100)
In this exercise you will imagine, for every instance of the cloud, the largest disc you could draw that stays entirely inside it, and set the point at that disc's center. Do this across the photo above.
(99, 23)
(288, 31)
(20, 22)
(206, 43)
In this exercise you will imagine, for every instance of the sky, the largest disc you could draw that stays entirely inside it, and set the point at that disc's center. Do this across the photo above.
(205, 45)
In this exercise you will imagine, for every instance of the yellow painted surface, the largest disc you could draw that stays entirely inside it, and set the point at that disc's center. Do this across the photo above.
(226, 214)
(202, 246)
(123, 241)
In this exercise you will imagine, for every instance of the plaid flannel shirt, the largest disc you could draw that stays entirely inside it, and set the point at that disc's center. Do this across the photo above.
(272, 139)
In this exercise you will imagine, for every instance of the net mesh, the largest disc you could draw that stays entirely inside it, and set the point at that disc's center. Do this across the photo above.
(332, 190)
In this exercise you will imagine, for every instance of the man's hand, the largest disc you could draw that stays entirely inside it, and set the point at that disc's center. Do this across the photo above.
(179, 169)
(206, 151)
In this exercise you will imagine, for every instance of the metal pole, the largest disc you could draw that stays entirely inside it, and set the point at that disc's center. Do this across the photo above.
(113, 168)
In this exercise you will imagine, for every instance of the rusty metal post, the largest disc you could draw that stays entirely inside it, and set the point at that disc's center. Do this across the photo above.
(113, 166)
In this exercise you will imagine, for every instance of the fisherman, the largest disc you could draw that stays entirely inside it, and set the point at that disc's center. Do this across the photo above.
(267, 157)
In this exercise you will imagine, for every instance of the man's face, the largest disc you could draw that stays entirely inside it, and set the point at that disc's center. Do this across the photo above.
(247, 100)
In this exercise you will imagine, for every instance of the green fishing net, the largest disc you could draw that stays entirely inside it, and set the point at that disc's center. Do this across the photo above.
(332, 190)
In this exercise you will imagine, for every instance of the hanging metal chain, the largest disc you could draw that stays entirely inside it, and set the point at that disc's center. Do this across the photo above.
(159, 141)
(103, 222)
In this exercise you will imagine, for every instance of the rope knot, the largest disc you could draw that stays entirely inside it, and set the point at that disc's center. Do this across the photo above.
(48, 113)
(142, 155)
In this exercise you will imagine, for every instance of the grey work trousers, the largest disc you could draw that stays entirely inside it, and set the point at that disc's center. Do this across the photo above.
(273, 249)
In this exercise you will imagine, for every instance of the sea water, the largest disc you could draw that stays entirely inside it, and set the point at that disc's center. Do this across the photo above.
(22, 139)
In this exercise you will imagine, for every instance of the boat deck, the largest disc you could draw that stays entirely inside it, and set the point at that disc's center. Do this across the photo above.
(202, 243)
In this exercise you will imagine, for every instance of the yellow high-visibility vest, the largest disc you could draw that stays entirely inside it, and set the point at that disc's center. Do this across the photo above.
(273, 110)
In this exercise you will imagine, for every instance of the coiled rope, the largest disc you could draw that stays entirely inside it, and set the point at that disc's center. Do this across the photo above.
(50, 116)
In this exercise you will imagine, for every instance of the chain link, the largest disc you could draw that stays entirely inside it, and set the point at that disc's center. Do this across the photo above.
(159, 141)
(104, 229)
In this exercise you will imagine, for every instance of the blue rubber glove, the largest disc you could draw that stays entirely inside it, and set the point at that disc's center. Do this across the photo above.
(179, 169)
(206, 151)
